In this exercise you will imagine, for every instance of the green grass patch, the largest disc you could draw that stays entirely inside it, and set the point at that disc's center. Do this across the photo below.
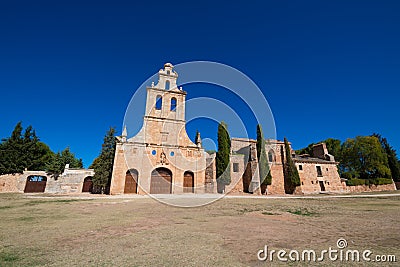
(35, 202)
(6, 207)
(302, 212)
(69, 200)
(8, 257)
(41, 201)
(247, 210)
(26, 219)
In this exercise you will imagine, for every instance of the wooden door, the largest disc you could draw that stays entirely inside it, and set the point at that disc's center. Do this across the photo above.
(161, 181)
(87, 185)
(35, 184)
(188, 182)
(131, 179)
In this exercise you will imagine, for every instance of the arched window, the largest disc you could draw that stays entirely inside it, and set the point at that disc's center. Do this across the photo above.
(173, 104)
(159, 102)
(271, 156)
(167, 85)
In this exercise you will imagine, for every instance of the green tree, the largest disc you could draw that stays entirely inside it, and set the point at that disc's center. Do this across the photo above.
(334, 147)
(103, 164)
(393, 161)
(223, 156)
(58, 161)
(364, 157)
(11, 160)
(21, 151)
(291, 175)
(263, 166)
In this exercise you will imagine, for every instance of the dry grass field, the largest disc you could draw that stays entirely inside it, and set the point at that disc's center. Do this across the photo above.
(143, 232)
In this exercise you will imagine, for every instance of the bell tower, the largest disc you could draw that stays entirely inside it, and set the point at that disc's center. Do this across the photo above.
(164, 119)
(164, 99)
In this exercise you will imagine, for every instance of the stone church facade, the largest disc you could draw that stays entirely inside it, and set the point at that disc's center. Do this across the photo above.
(161, 158)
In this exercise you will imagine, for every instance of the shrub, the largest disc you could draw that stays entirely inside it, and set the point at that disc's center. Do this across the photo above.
(375, 181)
(355, 181)
(382, 181)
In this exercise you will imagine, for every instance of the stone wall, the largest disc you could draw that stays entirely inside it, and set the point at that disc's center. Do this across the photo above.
(238, 164)
(70, 181)
(277, 186)
(11, 183)
(211, 174)
(371, 188)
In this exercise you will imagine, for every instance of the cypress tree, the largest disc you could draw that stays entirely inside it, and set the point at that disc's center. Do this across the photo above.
(223, 155)
(291, 175)
(103, 164)
(263, 166)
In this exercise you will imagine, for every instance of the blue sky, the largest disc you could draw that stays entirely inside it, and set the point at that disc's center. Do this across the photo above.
(327, 68)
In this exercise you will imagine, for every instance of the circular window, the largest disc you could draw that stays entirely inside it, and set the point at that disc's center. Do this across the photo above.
(172, 153)
(153, 152)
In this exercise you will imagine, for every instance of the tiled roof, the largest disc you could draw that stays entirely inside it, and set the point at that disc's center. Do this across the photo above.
(299, 158)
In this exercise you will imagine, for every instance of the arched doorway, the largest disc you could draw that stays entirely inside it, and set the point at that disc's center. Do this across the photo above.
(131, 180)
(35, 184)
(188, 182)
(87, 185)
(161, 181)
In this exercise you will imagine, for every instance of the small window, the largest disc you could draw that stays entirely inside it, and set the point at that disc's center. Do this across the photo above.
(312, 182)
(235, 167)
(173, 104)
(168, 72)
(302, 183)
(167, 85)
(326, 169)
(328, 183)
(37, 178)
(153, 152)
(300, 167)
(271, 156)
(158, 102)
(319, 171)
